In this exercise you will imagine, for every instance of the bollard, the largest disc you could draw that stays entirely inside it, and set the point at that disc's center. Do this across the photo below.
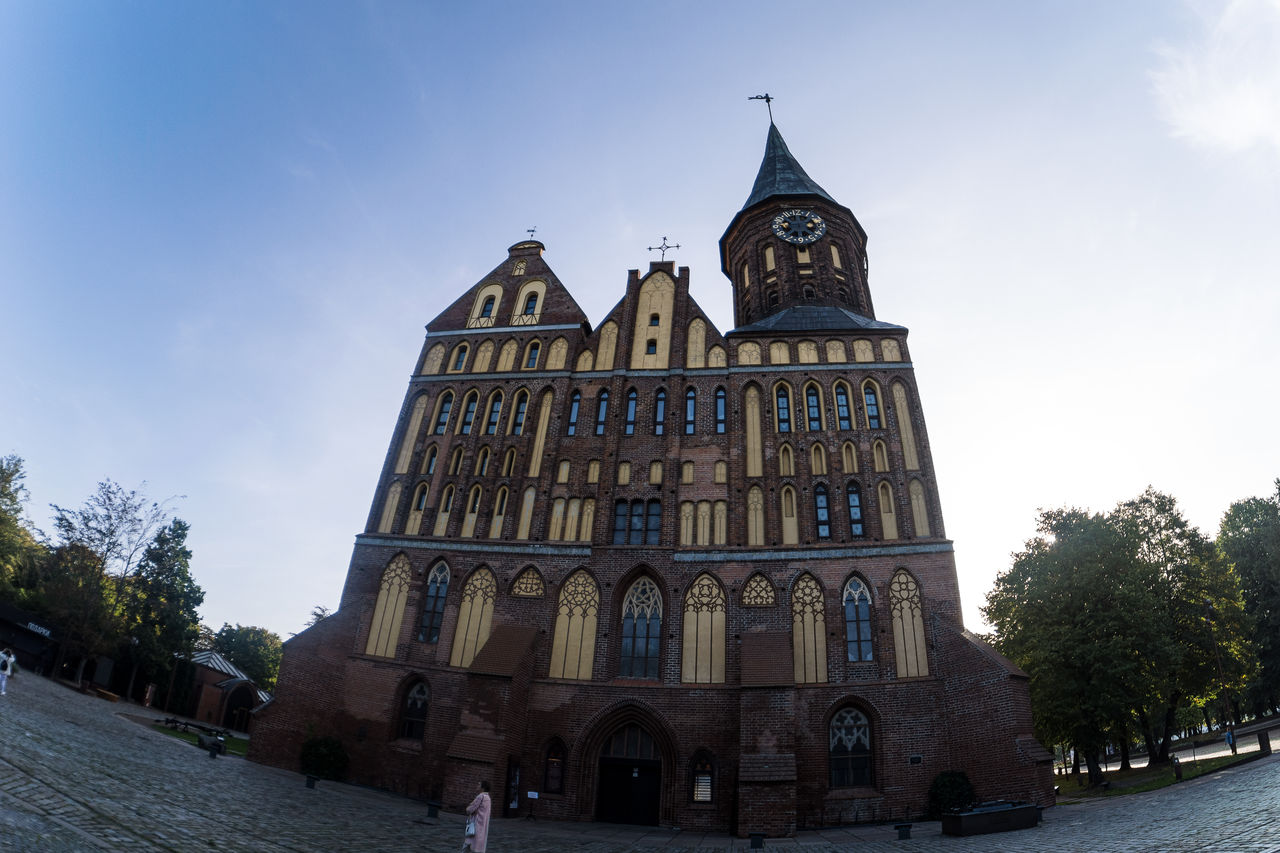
(311, 781)
(213, 750)
(1177, 768)
(904, 831)
(1264, 743)
(757, 840)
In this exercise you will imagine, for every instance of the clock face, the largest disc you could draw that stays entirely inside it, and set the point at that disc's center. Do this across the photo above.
(799, 226)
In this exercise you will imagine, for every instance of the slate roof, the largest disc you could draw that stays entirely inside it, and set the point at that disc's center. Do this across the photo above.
(814, 318)
(218, 663)
(781, 174)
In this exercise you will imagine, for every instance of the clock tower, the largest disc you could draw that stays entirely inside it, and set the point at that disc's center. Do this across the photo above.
(793, 250)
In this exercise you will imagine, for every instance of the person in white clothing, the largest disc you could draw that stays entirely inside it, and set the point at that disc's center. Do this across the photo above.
(8, 663)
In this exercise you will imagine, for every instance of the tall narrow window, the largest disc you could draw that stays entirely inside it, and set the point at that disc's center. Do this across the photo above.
(857, 621)
(413, 712)
(790, 524)
(909, 650)
(702, 653)
(782, 411)
(509, 462)
(813, 409)
(659, 412)
(442, 414)
(517, 417)
(455, 461)
(553, 775)
(620, 516)
(690, 411)
(849, 749)
(495, 413)
(641, 630)
(429, 464)
(872, 401)
(482, 462)
(531, 355)
(531, 304)
(486, 310)
(433, 606)
(460, 358)
(822, 511)
(602, 412)
(631, 412)
(653, 523)
(384, 630)
(475, 616)
(888, 514)
(720, 411)
(468, 413)
(808, 631)
(919, 508)
(700, 777)
(574, 645)
(755, 516)
(855, 509)
(574, 402)
(843, 418)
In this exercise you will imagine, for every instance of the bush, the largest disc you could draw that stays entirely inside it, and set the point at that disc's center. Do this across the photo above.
(950, 791)
(324, 758)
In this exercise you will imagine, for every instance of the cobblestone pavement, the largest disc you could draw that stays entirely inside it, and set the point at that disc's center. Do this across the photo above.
(76, 774)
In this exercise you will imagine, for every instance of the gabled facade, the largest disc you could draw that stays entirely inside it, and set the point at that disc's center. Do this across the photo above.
(657, 573)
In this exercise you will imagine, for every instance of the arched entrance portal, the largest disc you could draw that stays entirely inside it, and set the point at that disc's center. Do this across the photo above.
(630, 778)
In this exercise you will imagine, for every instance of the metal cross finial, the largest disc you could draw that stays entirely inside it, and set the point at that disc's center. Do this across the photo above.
(663, 248)
(531, 230)
(768, 102)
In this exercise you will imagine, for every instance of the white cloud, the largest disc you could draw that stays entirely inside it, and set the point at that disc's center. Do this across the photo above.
(1221, 90)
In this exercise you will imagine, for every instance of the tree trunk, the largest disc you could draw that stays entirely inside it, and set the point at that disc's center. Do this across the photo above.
(133, 674)
(1075, 762)
(1166, 737)
(1124, 754)
(1145, 724)
(1095, 771)
(80, 670)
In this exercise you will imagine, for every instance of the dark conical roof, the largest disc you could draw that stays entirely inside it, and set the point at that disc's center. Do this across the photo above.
(780, 174)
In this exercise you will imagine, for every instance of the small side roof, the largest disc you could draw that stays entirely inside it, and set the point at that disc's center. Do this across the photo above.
(806, 318)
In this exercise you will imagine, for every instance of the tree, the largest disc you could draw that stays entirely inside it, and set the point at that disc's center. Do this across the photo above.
(19, 548)
(1249, 538)
(161, 621)
(1071, 612)
(72, 593)
(115, 524)
(1200, 650)
(318, 614)
(255, 650)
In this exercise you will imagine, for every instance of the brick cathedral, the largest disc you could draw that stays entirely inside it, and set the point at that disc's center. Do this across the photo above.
(649, 572)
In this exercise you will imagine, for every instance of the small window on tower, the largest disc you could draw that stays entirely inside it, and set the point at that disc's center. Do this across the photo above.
(809, 293)
(650, 347)
(654, 320)
(773, 298)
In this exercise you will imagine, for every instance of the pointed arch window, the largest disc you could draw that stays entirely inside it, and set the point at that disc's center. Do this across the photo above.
(843, 418)
(518, 415)
(495, 414)
(455, 461)
(482, 462)
(813, 408)
(509, 462)
(822, 511)
(531, 304)
(702, 653)
(429, 463)
(574, 645)
(531, 354)
(602, 412)
(849, 749)
(755, 516)
(553, 773)
(388, 613)
(574, 402)
(871, 399)
(659, 412)
(690, 411)
(630, 428)
(909, 651)
(468, 412)
(459, 358)
(442, 413)
(641, 630)
(854, 498)
(808, 631)
(413, 711)
(758, 592)
(720, 411)
(857, 621)
(433, 605)
(782, 410)
(790, 522)
(486, 310)
(849, 458)
(475, 617)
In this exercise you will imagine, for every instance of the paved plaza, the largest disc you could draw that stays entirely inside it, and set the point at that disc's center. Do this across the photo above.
(76, 774)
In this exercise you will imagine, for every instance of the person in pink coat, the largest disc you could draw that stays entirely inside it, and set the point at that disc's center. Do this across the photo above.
(478, 812)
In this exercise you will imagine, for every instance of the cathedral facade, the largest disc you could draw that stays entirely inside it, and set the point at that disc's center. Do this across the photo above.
(649, 572)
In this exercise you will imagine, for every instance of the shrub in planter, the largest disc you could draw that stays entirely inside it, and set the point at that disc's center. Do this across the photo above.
(950, 791)
(324, 758)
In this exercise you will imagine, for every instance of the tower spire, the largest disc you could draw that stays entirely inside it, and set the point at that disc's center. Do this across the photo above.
(781, 174)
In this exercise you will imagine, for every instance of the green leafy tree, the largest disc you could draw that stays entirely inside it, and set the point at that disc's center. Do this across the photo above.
(20, 550)
(1071, 612)
(72, 591)
(1249, 538)
(161, 622)
(115, 523)
(255, 650)
(1200, 649)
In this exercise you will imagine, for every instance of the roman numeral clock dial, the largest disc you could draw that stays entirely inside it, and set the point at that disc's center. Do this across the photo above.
(799, 226)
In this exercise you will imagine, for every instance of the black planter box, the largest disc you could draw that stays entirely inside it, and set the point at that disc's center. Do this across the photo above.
(991, 817)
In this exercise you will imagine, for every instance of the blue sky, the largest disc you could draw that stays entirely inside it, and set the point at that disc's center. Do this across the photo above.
(223, 227)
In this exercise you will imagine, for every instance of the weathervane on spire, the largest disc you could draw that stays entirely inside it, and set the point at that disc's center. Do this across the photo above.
(768, 102)
(664, 247)
(531, 231)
